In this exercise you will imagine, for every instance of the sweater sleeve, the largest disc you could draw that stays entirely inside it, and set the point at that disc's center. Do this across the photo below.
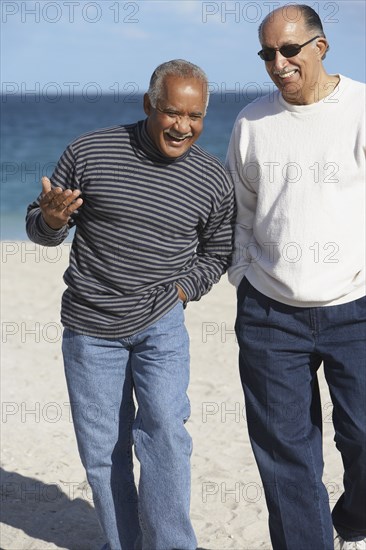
(37, 229)
(246, 202)
(215, 244)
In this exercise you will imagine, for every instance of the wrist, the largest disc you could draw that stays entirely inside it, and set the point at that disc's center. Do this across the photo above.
(49, 225)
(52, 226)
(181, 294)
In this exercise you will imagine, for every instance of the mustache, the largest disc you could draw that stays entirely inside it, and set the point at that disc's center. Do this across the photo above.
(281, 73)
(177, 135)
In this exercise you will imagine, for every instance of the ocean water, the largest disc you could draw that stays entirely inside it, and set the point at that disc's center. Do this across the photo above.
(35, 131)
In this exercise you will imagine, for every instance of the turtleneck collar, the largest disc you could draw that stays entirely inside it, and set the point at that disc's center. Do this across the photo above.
(148, 147)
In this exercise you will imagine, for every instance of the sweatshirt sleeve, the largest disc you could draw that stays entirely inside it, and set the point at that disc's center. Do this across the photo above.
(37, 229)
(215, 245)
(246, 203)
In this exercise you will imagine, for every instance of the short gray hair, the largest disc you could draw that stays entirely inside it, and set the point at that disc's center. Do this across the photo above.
(179, 68)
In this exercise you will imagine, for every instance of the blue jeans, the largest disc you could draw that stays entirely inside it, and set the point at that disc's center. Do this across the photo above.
(101, 376)
(281, 349)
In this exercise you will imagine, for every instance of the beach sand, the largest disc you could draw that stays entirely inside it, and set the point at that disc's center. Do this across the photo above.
(46, 501)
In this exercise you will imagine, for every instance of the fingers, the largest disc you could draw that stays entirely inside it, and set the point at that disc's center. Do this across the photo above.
(74, 206)
(69, 205)
(57, 205)
(59, 200)
(46, 185)
(48, 194)
(56, 198)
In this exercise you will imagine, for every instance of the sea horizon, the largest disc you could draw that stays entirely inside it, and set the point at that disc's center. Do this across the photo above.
(35, 131)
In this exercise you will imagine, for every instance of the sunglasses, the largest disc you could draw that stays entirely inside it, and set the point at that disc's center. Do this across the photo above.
(289, 50)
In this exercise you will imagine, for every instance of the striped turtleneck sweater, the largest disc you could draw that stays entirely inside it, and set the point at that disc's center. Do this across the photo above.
(147, 223)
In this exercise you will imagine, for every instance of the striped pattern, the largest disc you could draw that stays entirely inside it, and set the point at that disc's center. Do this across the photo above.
(147, 223)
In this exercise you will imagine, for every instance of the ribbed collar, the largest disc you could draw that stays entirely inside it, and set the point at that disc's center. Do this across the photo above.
(318, 105)
(147, 145)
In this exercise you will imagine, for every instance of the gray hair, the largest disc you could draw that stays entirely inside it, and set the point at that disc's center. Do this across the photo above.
(179, 68)
(312, 20)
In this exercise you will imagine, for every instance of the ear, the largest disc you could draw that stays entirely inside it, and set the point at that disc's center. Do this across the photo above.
(321, 45)
(147, 105)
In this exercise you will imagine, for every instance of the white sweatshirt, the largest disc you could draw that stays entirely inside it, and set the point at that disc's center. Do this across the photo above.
(299, 174)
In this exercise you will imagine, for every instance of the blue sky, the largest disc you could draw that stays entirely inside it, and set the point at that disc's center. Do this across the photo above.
(112, 45)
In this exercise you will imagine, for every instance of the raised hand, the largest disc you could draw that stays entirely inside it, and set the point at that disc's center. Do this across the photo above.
(58, 205)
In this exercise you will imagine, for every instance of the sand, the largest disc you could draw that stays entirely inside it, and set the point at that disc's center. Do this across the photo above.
(46, 501)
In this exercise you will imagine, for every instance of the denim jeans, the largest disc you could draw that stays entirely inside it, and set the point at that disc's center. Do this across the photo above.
(102, 375)
(281, 349)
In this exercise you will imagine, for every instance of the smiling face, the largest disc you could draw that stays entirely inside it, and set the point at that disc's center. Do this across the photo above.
(299, 77)
(176, 121)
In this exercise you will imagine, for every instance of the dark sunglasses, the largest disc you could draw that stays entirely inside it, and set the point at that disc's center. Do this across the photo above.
(289, 50)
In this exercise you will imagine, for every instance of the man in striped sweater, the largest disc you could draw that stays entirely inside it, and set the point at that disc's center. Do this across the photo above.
(154, 216)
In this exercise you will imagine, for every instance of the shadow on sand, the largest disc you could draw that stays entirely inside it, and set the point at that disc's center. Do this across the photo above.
(61, 513)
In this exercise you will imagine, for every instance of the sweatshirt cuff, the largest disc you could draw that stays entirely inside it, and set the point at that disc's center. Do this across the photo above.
(188, 288)
(45, 229)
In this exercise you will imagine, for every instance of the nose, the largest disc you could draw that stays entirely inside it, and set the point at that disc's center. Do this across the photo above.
(279, 61)
(183, 124)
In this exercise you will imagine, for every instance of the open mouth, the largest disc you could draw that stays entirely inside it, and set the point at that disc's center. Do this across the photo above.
(289, 74)
(172, 138)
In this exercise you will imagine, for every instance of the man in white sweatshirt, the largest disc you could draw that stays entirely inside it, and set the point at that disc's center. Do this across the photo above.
(297, 157)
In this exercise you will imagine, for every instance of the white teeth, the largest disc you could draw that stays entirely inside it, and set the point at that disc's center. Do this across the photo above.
(287, 75)
(176, 138)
